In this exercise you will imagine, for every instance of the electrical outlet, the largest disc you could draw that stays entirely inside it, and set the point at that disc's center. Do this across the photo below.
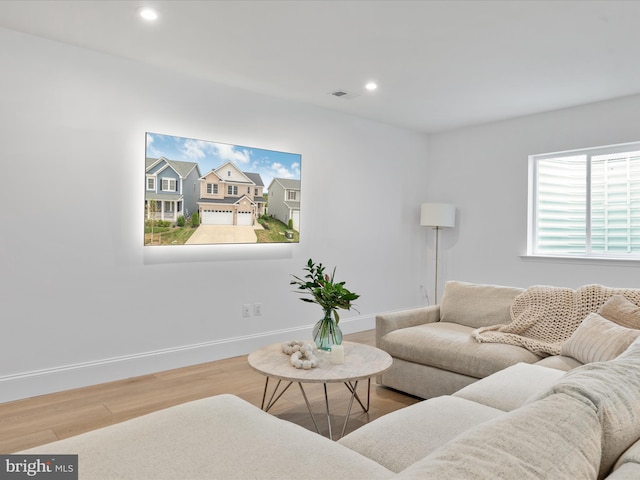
(257, 309)
(246, 310)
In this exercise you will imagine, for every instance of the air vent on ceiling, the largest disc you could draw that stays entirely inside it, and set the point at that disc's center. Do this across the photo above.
(344, 94)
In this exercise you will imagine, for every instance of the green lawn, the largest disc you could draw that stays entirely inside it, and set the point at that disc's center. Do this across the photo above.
(275, 232)
(167, 235)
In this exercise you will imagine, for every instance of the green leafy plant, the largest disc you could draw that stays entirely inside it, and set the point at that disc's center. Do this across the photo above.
(324, 290)
(195, 219)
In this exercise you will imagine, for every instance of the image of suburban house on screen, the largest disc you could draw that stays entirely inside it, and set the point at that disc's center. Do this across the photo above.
(170, 189)
(199, 192)
(284, 201)
(229, 196)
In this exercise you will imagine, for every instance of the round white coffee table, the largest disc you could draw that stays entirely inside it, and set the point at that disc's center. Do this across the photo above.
(361, 362)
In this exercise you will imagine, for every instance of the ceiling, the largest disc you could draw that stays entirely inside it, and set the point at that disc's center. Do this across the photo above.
(440, 65)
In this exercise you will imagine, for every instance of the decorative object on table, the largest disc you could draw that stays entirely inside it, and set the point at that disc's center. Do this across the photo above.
(437, 215)
(302, 354)
(331, 296)
(337, 354)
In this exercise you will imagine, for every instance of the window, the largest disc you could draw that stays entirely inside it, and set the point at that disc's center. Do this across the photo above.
(151, 183)
(232, 190)
(586, 203)
(168, 185)
(212, 188)
(292, 195)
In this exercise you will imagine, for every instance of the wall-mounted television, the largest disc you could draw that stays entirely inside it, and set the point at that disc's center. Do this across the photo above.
(200, 192)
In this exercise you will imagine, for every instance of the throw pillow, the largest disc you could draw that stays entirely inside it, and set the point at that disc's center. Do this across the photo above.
(597, 340)
(622, 311)
(633, 351)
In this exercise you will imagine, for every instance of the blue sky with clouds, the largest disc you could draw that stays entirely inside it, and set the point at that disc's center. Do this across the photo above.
(210, 155)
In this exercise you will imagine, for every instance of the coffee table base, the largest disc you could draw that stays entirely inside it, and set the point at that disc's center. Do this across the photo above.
(351, 386)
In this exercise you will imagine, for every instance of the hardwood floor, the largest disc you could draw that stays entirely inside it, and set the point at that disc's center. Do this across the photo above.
(35, 421)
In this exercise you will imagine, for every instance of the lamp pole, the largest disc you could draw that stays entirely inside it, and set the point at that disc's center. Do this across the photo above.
(437, 215)
(435, 298)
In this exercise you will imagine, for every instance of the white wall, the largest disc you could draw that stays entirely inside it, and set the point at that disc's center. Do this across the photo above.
(483, 171)
(83, 302)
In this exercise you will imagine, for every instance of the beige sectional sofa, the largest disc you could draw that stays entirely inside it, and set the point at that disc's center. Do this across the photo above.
(433, 349)
(494, 410)
(524, 422)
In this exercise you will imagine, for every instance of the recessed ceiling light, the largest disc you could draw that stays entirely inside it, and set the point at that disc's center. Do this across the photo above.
(371, 86)
(148, 14)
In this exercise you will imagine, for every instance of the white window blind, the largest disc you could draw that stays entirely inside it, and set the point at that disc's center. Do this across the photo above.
(586, 203)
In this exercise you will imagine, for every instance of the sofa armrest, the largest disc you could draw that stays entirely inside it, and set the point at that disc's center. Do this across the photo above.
(388, 322)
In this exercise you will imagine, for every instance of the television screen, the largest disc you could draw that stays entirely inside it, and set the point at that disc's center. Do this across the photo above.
(201, 192)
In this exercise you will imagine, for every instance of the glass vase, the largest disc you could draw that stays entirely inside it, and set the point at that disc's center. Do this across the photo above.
(327, 333)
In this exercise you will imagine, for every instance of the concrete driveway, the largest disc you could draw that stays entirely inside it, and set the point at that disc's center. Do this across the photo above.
(206, 234)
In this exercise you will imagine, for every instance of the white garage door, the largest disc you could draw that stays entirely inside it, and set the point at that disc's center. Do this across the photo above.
(244, 218)
(296, 220)
(217, 217)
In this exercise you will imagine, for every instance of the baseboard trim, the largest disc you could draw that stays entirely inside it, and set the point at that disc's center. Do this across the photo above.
(56, 379)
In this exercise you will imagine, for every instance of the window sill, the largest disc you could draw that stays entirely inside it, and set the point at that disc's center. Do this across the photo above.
(601, 261)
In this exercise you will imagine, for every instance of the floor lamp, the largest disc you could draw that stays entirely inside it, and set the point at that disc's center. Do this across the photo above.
(437, 215)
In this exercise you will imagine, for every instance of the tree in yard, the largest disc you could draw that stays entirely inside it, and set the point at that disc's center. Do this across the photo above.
(151, 208)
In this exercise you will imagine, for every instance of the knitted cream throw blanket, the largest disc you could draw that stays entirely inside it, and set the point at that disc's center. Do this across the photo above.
(543, 317)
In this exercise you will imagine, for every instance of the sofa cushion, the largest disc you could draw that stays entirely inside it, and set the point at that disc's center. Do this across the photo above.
(622, 311)
(510, 388)
(559, 362)
(613, 389)
(597, 340)
(221, 437)
(555, 438)
(403, 437)
(628, 471)
(449, 346)
(631, 455)
(476, 305)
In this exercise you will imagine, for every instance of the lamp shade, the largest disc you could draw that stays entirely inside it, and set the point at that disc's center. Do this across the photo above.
(438, 215)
